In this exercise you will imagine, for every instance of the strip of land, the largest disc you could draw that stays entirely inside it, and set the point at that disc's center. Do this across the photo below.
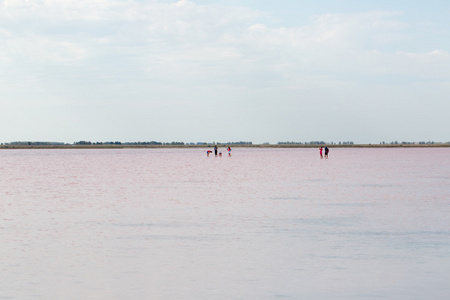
(130, 146)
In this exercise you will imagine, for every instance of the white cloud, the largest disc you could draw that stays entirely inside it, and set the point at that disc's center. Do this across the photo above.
(434, 64)
(46, 50)
(432, 56)
(184, 33)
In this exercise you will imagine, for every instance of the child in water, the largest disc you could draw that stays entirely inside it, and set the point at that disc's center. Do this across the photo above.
(208, 152)
(320, 151)
(229, 151)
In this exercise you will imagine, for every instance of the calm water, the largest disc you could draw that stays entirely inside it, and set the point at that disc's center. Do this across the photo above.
(262, 224)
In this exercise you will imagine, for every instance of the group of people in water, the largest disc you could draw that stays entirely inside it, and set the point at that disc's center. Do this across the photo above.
(216, 153)
(326, 152)
(208, 152)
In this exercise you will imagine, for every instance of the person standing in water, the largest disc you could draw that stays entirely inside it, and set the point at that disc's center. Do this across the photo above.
(215, 150)
(229, 151)
(320, 151)
(326, 152)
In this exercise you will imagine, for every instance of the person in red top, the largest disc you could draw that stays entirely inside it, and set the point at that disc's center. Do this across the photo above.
(320, 151)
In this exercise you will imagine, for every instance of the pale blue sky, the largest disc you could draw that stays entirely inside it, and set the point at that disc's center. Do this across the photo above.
(261, 71)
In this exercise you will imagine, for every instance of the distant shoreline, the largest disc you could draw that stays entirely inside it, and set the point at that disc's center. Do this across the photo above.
(109, 146)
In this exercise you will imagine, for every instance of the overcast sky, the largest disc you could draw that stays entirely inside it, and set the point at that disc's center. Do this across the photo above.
(217, 70)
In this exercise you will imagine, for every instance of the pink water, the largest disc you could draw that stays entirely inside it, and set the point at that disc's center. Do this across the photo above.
(262, 224)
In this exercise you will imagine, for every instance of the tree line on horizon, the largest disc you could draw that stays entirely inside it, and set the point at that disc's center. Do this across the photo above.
(174, 143)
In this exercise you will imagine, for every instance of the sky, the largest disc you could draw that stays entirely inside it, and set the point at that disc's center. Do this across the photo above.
(220, 71)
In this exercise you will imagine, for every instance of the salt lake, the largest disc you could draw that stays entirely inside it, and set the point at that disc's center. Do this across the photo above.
(269, 223)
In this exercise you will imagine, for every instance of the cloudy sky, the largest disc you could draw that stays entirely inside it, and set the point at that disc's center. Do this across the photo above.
(217, 70)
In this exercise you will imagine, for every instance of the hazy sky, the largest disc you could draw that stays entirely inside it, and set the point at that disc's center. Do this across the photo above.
(252, 70)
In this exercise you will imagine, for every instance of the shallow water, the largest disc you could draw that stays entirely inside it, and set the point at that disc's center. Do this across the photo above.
(262, 224)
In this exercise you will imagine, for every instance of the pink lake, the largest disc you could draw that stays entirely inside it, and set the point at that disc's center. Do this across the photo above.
(263, 224)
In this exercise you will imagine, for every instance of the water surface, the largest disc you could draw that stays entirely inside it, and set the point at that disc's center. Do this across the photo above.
(262, 224)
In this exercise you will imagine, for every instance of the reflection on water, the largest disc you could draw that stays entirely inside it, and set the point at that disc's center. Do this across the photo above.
(262, 224)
